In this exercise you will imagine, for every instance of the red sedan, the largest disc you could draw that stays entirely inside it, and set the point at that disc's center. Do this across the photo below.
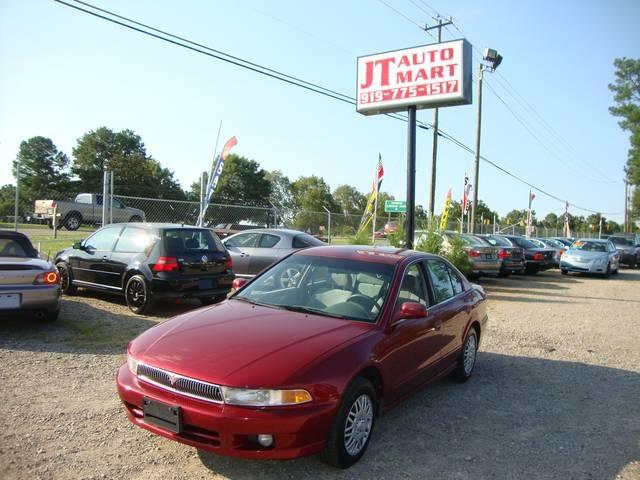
(283, 370)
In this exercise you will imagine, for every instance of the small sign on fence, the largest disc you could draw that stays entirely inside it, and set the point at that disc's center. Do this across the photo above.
(395, 206)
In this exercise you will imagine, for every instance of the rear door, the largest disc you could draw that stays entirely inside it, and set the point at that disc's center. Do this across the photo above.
(450, 304)
(269, 249)
(242, 248)
(133, 242)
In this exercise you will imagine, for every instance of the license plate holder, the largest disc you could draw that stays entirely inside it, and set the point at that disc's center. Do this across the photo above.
(9, 301)
(205, 284)
(162, 415)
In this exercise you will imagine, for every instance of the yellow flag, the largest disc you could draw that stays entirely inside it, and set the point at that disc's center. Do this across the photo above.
(445, 211)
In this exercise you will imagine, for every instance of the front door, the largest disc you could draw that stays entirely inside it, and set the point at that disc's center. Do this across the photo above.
(242, 247)
(90, 264)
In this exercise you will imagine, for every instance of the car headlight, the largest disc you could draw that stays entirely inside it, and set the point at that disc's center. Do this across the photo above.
(132, 363)
(264, 398)
(601, 260)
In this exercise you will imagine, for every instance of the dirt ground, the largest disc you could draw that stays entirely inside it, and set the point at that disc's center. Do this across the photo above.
(555, 395)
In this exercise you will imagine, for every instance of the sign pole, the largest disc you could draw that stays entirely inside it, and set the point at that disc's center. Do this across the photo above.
(411, 176)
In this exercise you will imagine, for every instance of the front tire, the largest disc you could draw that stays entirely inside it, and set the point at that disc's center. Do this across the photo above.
(607, 274)
(353, 426)
(467, 359)
(135, 219)
(564, 271)
(66, 279)
(137, 295)
(73, 221)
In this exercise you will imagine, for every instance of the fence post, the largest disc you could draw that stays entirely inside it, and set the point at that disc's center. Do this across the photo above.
(329, 224)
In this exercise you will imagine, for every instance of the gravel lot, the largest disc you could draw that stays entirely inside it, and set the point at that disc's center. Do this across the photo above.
(555, 395)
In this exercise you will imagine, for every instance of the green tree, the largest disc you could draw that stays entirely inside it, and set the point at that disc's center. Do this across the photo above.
(626, 89)
(242, 182)
(551, 220)
(515, 217)
(310, 195)
(43, 169)
(350, 200)
(281, 190)
(7, 201)
(124, 153)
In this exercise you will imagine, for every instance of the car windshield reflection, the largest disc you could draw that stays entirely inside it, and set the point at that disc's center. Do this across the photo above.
(333, 287)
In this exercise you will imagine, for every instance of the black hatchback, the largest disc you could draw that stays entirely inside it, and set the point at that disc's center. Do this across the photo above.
(147, 262)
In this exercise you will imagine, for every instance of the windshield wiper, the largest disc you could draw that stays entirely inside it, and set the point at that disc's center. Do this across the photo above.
(315, 311)
(253, 302)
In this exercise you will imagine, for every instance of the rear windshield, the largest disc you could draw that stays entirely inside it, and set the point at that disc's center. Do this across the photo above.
(473, 240)
(497, 241)
(589, 246)
(304, 240)
(523, 242)
(185, 240)
(16, 247)
(621, 241)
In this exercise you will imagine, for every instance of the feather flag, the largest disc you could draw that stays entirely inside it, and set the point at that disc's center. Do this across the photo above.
(372, 201)
(465, 193)
(445, 212)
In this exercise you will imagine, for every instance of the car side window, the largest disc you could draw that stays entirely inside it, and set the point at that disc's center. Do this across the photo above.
(133, 240)
(412, 288)
(103, 239)
(268, 241)
(244, 240)
(117, 203)
(440, 280)
(456, 281)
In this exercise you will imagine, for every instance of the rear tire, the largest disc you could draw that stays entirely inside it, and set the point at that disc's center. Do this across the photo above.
(66, 279)
(50, 316)
(135, 218)
(73, 221)
(564, 271)
(505, 274)
(467, 359)
(353, 425)
(137, 295)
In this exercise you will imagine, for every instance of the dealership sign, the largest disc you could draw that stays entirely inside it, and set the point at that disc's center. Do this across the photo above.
(429, 76)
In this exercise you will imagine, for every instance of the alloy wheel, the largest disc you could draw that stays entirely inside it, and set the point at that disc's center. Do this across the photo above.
(358, 424)
(469, 358)
(136, 293)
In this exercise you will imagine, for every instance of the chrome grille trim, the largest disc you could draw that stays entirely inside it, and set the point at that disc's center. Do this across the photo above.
(190, 387)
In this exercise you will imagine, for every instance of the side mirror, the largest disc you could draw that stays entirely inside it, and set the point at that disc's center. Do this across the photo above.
(410, 310)
(238, 283)
(77, 245)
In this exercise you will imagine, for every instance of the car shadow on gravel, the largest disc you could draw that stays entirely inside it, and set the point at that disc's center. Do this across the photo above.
(518, 417)
(88, 323)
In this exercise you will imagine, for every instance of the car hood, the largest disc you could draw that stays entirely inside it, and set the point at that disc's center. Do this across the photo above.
(239, 344)
(586, 255)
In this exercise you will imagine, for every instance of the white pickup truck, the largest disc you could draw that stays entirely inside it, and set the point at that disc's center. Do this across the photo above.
(85, 210)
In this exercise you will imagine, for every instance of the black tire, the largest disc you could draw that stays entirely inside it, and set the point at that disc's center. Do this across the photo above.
(467, 359)
(50, 316)
(135, 218)
(72, 221)
(607, 274)
(66, 279)
(361, 393)
(564, 271)
(212, 300)
(137, 295)
(505, 273)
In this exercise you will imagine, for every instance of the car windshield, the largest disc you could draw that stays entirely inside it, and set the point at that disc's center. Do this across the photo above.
(187, 240)
(523, 242)
(16, 247)
(333, 287)
(625, 242)
(589, 246)
(473, 240)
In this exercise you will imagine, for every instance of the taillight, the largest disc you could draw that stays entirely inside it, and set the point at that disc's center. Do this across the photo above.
(228, 264)
(538, 256)
(47, 278)
(502, 254)
(166, 264)
(474, 253)
(560, 252)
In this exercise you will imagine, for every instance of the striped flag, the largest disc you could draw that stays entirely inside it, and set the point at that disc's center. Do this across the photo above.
(372, 202)
(465, 193)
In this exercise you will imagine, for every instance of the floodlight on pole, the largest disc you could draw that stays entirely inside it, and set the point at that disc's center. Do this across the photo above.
(492, 59)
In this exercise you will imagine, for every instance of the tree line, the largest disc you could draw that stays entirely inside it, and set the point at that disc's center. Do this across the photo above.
(48, 173)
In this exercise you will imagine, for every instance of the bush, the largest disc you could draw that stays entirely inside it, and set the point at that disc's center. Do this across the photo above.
(432, 241)
(360, 238)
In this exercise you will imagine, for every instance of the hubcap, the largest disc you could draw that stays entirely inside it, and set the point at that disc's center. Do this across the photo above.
(469, 354)
(73, 222)
(136, 293)
(358, 425)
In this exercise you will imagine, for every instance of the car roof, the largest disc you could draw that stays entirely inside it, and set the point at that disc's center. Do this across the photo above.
(157, 226)
(387, 255)
(13, 234)
(273, 230)
(594, 240)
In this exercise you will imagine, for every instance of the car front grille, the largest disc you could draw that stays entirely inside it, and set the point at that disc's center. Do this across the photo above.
(180, 384)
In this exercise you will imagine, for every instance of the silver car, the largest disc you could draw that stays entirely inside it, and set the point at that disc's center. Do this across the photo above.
(27, 283)
(483, 256)
(254, 250)
(591, 256)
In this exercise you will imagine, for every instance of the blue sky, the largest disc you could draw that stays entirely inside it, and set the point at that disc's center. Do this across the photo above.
(65, 73)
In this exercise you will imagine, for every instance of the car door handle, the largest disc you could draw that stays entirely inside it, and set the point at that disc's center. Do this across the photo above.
(104, 258)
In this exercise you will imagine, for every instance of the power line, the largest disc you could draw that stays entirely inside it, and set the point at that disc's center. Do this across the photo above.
(217, 54)
(421, 27)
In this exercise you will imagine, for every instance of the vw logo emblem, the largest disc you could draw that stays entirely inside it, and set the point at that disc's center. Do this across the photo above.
(204, 259)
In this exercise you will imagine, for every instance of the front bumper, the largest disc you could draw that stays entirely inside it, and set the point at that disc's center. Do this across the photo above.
(230, 430)
(33, 297)
(583, 267)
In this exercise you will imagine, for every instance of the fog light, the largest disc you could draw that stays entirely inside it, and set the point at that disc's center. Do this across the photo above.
(265, 439)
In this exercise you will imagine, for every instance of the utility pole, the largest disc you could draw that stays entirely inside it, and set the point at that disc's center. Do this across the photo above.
(434, 153)
(15, 208)
(493, 59)
(626, 205)
(409, 230)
